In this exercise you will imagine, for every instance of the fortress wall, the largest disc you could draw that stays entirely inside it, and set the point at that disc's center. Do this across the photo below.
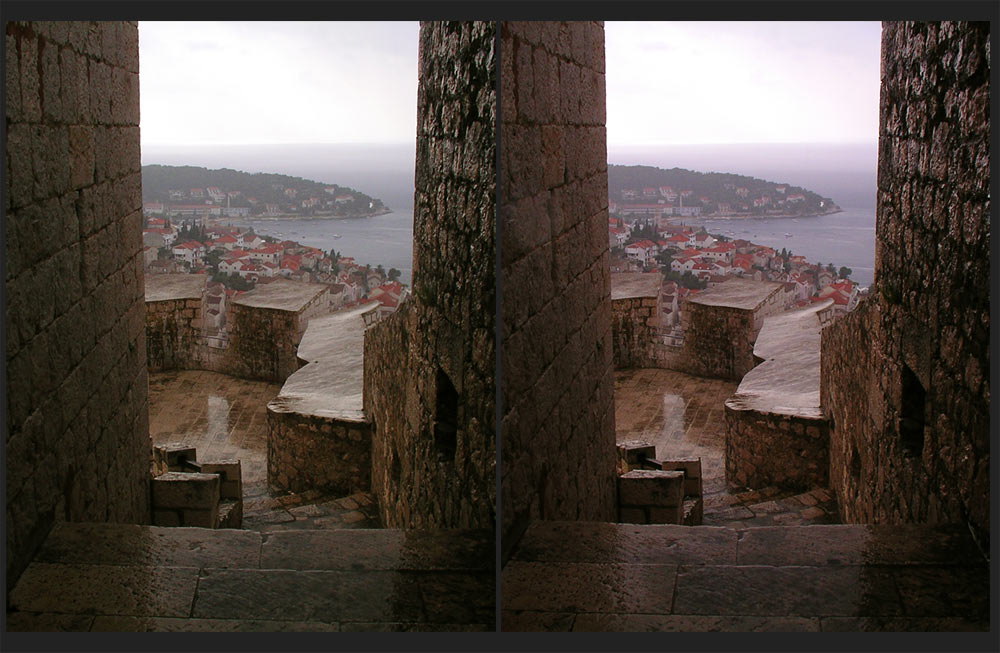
(174, 334)
(429, 369)
(77, 444)
(905, 377)
(557, 364)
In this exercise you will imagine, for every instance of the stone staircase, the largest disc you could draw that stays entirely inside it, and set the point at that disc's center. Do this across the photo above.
(116, 577)
(628, 577)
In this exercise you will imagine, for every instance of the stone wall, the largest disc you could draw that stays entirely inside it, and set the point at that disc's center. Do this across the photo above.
(174, 339)
(265, 327)
(905, 376)
(430, 368)
(78, 444)
(634, 326)
(310, 452)
(768, 449)
(556, 371)
(719, 340)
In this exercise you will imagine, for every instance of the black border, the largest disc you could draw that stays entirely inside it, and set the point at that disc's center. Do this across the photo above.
(987, 10)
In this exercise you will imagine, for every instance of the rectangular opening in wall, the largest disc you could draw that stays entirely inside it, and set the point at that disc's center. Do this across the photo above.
(911, 414)
(445, 418)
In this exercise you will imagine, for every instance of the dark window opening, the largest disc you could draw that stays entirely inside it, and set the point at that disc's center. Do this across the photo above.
(855, 466)
(446, 418)
(911, 418)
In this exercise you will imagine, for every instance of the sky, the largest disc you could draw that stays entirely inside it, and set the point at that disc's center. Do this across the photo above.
(277, 82)
(671, 83)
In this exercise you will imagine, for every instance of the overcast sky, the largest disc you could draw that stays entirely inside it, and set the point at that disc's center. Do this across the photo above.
(277, 82)
(732, 82)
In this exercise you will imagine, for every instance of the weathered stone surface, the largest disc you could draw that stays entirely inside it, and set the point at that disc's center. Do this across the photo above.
(905, 544)
(594, 542)
(653, 487)
(76, 367)
(105, 589)
(925, 329)
(167, 625)
(430, 368)
(379, 549)
(128, 544)
(587, 587)
(308, 595)
(32, 622)
(781, 591)
(185, 490)
(558, 421)
(692, 623)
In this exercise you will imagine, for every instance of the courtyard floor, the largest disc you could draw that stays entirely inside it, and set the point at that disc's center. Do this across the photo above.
(226, 418)
(684, 416)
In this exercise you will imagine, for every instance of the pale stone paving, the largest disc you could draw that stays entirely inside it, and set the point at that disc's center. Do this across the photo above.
(683, 416)
(225, 417)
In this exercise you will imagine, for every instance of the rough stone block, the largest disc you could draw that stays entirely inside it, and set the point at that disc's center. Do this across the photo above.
(670, 515)
(230, 514)
(643, 487)
(230, 476)
(633, 452)
(166, 518)
(633, 515)
(186, 490)
(167, 456)
(200, 518)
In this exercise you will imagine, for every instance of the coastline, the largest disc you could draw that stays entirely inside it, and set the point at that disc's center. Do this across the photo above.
(743, 216)
(280, 218)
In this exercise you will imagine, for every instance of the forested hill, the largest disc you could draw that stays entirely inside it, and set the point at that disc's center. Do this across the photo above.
(191, 184)
(714, 192)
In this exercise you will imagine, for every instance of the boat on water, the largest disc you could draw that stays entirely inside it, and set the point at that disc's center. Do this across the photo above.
(337, 236)
(788, 235)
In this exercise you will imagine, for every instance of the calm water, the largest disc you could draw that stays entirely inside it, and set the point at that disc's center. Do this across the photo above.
(384, 239)
(845, 238)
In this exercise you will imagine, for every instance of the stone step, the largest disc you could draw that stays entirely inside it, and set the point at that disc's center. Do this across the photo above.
(604, 576)
(119, 576)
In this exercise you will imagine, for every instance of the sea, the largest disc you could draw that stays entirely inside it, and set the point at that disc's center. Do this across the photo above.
(844, 172)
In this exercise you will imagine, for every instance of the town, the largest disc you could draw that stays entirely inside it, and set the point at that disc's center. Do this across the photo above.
(691, 259)
(237, 260)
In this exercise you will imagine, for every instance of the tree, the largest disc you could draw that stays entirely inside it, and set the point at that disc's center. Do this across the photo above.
(212, 259)
(845, 272)
(394, 274)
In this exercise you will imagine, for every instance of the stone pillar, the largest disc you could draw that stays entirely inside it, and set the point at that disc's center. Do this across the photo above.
(78, 444)
(558, 443)
(430, 368)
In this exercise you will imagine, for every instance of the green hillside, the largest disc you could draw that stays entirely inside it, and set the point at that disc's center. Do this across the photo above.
(265, 188)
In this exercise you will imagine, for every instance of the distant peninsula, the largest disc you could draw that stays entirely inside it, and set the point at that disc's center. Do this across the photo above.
(649, 191)
(190, 191)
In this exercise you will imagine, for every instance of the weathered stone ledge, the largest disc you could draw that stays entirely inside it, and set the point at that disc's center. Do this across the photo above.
(318, 434)
(776, 433)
